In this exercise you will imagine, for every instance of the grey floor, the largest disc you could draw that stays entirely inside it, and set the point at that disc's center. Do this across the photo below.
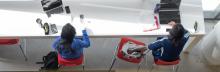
(190, 62)
(11, 59)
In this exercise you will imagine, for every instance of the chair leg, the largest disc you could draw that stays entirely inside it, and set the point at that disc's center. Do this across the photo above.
(83, 64)
(173, 68)
(139, 66)
(83, 68)
(177, 67)
(146, 61)
(59, 66)
(112, 64)
(23, 53)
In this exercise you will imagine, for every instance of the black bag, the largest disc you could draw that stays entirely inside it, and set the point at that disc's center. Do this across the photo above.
(50, 61)
(52, 7)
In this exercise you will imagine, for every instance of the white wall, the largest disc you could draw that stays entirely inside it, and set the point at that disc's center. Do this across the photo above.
(209, 46)
(209, 25)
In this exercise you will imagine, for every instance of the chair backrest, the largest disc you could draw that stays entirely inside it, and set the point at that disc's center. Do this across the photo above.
(120, 54)
(8, 41)
(162, 62)
(70, 62)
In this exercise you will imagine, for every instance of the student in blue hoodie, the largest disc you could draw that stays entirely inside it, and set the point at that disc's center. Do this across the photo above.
(68, 46)
(168, 48)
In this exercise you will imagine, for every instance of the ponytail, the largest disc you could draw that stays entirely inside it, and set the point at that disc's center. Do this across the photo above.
(176, 35)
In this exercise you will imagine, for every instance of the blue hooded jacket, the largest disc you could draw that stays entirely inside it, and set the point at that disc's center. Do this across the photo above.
(77, 45)
(169, 53)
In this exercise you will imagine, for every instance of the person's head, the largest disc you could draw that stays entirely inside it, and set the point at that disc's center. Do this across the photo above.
(172, 23)
(176, 34)
(68, 33)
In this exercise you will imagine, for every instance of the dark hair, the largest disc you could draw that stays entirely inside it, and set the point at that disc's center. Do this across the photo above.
(172, 20)
(68, 33)
(176, 35)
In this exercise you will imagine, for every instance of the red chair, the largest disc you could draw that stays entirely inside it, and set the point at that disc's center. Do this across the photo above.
(162, 62)
(174, 64)
(120, 55)
(14, 41)
(71, 62)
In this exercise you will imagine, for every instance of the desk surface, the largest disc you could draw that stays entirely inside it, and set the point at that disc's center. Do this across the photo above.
(99, 22)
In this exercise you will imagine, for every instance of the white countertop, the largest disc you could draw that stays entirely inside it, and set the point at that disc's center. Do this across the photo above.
(101, 21)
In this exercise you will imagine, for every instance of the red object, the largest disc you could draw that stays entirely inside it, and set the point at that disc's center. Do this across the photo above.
(12, 41)
(162, 62)
(151, 29)
(70, 62)
(156, 23)
(120, 46)
(8, 41)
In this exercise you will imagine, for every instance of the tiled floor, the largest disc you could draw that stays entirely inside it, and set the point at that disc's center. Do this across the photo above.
(190, 62)
(9, 65)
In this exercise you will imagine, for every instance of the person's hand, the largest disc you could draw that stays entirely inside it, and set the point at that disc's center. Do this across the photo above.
(84, 30)
(138, 48)
(129, 51)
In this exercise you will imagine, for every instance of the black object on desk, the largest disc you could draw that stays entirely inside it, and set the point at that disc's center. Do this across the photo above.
(169, 10)
(50, 4)
(46, 28)
(81, 16)
(53, 28)
(52, 7)
(67, 8)
(168, 29)
(195, 26)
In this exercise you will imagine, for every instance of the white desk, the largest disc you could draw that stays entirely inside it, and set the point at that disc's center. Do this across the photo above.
(20, 24)
(126, 19)
(23, 24)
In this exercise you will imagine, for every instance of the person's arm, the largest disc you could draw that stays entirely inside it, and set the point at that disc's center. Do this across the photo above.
(138, 48)
(85, 42)
(160, 37)
(56, 42)
(156, 45)
(186, 34)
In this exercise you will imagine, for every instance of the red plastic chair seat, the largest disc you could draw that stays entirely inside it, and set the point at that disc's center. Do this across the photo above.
(70, 62)
(120, 46)
(8, 41)
(162, 62)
